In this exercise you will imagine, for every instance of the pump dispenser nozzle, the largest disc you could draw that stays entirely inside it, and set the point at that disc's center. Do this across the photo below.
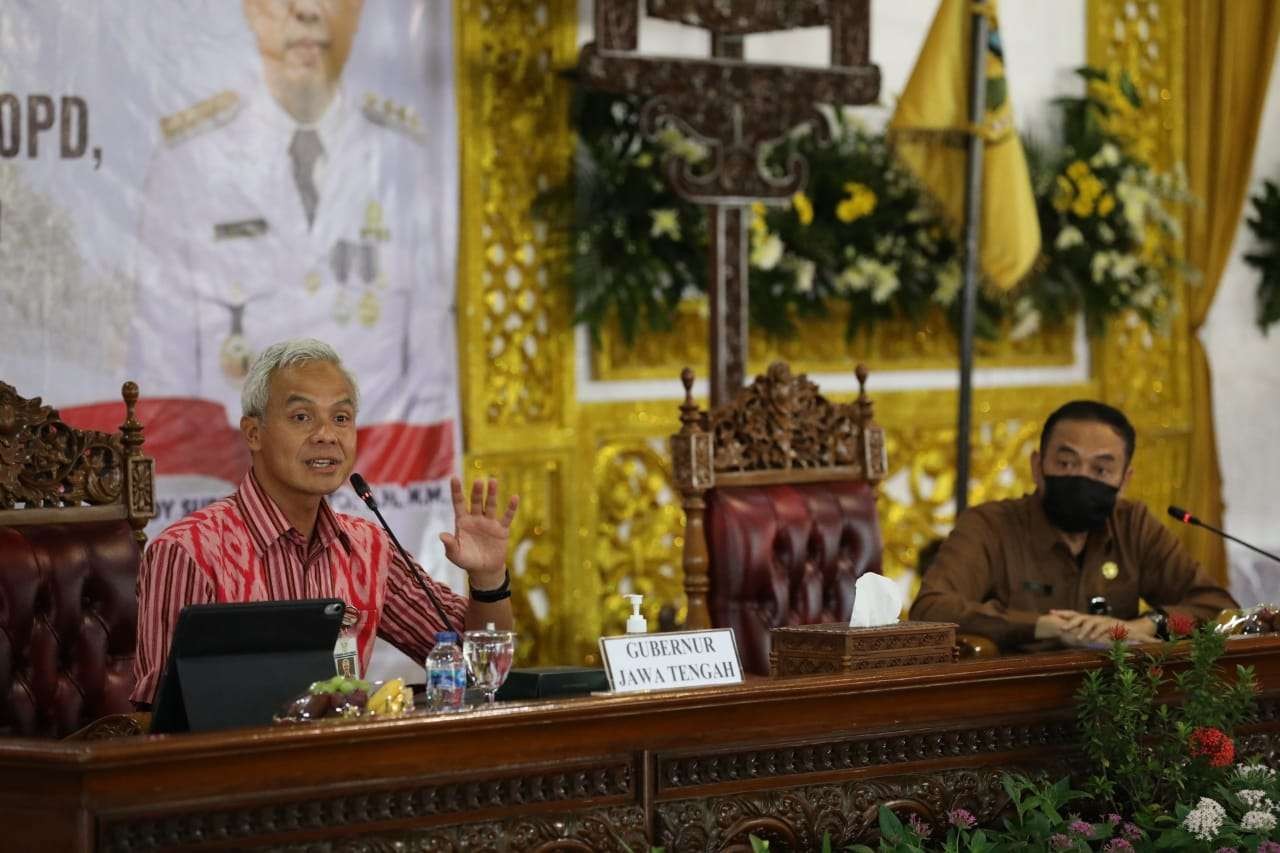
(636, 623)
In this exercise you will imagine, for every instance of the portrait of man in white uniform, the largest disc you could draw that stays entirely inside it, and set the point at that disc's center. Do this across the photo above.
(288, 207)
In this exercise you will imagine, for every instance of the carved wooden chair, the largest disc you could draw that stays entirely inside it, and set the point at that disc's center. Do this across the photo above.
(778, 488)
(73, 505)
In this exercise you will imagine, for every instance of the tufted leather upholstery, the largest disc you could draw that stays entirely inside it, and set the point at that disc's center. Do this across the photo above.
(787, 554)
(68, 611)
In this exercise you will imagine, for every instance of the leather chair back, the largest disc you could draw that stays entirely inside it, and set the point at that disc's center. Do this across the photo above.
(68, 608)
(72, 507)
(787, 555)
(779, 494)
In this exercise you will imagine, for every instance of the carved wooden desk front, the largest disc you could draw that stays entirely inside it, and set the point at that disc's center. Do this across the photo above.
(785, 759)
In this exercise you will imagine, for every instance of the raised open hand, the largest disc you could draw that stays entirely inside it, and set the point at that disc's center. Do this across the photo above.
(478, 544)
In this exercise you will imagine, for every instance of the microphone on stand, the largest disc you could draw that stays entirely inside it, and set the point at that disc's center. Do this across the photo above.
(1187, 518)
(366, 494)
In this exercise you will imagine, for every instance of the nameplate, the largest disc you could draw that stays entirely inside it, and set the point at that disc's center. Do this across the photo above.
(671, 661)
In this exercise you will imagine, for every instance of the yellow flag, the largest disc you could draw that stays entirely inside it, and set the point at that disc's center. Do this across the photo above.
(929, 131)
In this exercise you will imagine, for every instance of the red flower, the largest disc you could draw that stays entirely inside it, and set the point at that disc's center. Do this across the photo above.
(1181, 625)
(1213, 745)
(1119, 632)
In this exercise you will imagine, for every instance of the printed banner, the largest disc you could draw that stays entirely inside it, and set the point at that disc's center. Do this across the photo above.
(184, 182)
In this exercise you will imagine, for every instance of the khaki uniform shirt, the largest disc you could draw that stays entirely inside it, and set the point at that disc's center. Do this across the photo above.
(1004, 565)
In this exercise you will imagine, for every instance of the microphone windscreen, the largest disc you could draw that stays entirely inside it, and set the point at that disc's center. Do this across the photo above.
(361, 487)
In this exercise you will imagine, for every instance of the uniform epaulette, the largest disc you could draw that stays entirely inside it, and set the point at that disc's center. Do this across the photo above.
(206, 115)
(388, 113)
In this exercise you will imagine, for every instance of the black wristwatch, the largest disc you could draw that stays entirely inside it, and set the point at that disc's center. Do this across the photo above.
(1161, 622)
(492, 596)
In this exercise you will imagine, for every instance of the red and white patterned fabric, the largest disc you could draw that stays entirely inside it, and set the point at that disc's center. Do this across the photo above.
(243, 548)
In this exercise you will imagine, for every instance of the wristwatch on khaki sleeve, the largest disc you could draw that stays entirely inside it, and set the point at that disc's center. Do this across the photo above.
(1160, 621)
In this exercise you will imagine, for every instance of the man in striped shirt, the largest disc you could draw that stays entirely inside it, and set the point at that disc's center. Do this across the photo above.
(277, 538)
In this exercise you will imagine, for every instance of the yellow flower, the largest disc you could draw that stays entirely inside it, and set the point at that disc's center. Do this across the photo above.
(1077, 170)
(1062, 194)
(1106, 204)
(1091, 187)
(861, 202)
(803, 208)
(766, 253)
(759, 228)
(666, 223)
(1082, 206)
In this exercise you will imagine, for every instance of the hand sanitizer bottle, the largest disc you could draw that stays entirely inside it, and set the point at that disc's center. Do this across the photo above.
(636, 623)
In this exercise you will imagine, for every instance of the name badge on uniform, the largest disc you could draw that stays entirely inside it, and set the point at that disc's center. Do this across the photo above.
(243, 228)
(346, 660)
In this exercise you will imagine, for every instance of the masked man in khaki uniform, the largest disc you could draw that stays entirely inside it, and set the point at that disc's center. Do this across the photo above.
(1027, 572)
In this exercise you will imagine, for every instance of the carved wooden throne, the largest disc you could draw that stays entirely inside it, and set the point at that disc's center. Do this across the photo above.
(73, 505)
(778, 488)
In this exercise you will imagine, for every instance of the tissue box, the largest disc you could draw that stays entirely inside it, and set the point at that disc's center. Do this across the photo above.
(835, 647)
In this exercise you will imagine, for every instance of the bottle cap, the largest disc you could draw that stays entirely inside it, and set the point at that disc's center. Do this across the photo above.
(636, 623)
(489, 626)
(447, 637)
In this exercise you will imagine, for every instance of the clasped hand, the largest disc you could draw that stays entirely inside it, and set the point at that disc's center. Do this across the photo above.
(1083, 629)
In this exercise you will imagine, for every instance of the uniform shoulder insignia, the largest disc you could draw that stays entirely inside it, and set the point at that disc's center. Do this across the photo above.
(388, 113)
(206, 115)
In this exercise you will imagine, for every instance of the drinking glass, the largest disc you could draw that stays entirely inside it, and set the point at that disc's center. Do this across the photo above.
(488, 654)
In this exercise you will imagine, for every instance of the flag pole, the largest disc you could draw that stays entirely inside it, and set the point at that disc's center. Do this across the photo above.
(972, 239)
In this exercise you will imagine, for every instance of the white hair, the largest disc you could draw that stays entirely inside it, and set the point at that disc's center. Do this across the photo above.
(257, 383)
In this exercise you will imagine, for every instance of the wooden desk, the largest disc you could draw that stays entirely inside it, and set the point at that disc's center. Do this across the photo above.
(695, 770)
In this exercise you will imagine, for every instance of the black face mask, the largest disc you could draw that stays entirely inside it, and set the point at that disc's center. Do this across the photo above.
(1078, 504)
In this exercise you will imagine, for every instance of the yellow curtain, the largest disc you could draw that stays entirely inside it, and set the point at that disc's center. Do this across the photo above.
(1230, 48)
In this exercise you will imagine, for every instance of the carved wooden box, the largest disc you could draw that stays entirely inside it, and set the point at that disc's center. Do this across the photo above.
(835, 647)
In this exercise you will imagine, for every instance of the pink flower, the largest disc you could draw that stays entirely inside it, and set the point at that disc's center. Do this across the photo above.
(1268, 847)
(962, 819)
(1079, 827)
(1131, 832)
(1119, 632)
(1116, 844)
(1113, 819)
(1058, 841)
(919, 826)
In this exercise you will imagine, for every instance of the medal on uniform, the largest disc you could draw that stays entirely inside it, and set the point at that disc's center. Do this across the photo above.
(340, 260)
(374, 230)
(1110, 570)
(340, 263)
(341, 308)
(235, 355)
(369, 309)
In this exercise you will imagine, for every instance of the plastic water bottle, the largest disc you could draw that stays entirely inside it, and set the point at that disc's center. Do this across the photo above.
(446, 674)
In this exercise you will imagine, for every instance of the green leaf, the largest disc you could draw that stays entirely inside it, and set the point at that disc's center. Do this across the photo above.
(979, 843)
(758, 845)
(890, 825)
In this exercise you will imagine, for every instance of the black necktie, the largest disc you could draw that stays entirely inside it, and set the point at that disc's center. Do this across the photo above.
(304, 151)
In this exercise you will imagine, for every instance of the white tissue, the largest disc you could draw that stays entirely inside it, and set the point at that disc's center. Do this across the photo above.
(876, 601)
